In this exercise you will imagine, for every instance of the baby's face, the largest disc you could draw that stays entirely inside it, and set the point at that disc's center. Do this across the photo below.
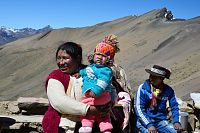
(100, 59)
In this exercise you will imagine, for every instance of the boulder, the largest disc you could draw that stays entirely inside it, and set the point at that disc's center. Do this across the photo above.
(13, 107)
(185, 108)
(196, 98)
(33, 106)
(192, 121)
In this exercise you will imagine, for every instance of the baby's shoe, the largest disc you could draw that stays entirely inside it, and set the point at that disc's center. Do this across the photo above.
(85, 130)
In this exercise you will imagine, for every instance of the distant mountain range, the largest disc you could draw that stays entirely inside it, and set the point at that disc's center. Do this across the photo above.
(10, 34)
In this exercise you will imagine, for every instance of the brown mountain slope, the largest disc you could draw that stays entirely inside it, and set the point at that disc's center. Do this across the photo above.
(144, 40)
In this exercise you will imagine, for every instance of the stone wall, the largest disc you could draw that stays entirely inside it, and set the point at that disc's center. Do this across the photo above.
(25, 114)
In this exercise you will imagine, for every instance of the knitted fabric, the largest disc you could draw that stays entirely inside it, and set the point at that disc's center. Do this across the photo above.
(96, 78)
(111, 39)
(105, 49)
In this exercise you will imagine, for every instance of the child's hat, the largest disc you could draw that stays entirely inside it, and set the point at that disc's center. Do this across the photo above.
(111, 38)
(105, 49)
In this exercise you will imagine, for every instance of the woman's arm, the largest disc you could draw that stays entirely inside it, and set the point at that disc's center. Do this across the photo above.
(63, 103)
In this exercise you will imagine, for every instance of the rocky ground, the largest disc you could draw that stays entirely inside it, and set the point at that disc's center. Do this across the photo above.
(25, 115)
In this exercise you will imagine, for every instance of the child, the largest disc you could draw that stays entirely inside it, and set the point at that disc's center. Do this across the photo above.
(150, 103)
(97, 79)
(121, 85)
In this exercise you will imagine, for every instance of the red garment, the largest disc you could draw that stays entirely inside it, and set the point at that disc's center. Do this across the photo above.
(154, 101)
(51, 119)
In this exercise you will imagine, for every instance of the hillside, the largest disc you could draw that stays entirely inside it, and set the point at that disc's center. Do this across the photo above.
(144, 40)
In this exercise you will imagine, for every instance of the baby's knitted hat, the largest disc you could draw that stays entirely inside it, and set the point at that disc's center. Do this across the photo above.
(105, 49)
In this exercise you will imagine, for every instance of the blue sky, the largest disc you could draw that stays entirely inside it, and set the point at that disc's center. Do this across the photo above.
(80, 13)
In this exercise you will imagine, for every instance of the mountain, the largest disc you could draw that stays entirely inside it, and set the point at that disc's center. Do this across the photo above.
(144, 41)
(9, 34)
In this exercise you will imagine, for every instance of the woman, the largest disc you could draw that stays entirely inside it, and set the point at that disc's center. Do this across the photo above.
(64, 91)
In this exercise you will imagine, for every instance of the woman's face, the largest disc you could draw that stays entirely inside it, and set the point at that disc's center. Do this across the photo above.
(100, 59)
(156, 80)
(65, 62)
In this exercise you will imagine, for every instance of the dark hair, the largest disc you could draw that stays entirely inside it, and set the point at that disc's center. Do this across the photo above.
(71, 48)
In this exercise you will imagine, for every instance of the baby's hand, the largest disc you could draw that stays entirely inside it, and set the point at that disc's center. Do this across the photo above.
(77, 75)
(89, 94)
(92, 94)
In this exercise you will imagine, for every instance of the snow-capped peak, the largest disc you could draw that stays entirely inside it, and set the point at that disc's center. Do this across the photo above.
(11, 34)
(6, 29)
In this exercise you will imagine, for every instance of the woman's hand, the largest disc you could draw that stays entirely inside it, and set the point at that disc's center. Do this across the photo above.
(178, 127)
(100, 110)
(152, 129)
(92, 110)
(90, 93)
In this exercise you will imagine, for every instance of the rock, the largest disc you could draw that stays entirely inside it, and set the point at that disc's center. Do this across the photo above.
(185, 108)
(4, 107)
(190, 103)
(6, 121)
(1, 127)
(161, 14)
(196, 98)
(13, 107)
(34, 106)
(192, 119)
(22, 118)
(16, 126)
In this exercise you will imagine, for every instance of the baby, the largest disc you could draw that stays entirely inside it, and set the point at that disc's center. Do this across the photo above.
(97, 79)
